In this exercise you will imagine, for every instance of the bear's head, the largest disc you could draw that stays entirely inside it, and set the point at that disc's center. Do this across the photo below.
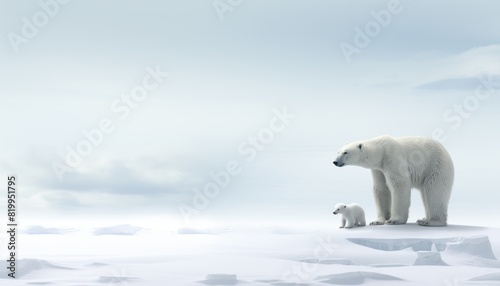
(350, 154)
(339, 208)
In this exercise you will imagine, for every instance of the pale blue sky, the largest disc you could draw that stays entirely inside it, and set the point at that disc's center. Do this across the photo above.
(225, 79)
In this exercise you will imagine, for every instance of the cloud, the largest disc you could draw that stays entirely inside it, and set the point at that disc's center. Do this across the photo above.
(466, 83)
(119, 184)
(458, 71)
(465, 70)
(123, 178)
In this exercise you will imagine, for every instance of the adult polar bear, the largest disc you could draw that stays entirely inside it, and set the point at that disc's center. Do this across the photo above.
(398, 165)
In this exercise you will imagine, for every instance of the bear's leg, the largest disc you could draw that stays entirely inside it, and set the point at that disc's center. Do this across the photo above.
(400, 187)
(424, 200)
(382, 198)
(350, 221)
(436, 201)
(342, 223)
(361, 220)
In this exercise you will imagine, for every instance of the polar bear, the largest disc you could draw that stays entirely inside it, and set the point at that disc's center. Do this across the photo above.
(397, 166)
(352, 213)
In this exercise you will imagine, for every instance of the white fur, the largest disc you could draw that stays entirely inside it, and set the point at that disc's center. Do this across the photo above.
(398, 165)
(353, 214)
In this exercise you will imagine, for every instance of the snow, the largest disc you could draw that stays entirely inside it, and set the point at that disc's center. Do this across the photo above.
(199, 230)
(37, 229)
(354, 278)
(371, 255)
(220, 279)
(116, 279)
(416, 244)
(493, 277)
(342, 261)
(429, 258)
(124, 229)
(471, 247)
(27, 266)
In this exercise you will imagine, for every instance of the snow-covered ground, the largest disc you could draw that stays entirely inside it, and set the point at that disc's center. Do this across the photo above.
(259, 255)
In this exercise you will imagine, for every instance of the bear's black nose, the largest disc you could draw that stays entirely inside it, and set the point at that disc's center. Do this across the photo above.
(335, 163)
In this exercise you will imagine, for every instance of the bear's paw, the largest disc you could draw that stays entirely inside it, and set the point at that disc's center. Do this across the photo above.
(395, 221)
(377, 222)
(430, 223)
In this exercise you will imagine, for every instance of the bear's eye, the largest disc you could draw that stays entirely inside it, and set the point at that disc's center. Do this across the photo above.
(345, 152)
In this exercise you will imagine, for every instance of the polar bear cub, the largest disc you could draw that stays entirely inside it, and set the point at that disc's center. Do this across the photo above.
(353, 214)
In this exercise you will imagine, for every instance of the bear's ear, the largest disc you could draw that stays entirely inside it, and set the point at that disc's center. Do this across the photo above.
(360, 145)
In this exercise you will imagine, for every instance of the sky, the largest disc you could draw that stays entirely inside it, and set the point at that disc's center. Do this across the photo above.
(232, 112)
